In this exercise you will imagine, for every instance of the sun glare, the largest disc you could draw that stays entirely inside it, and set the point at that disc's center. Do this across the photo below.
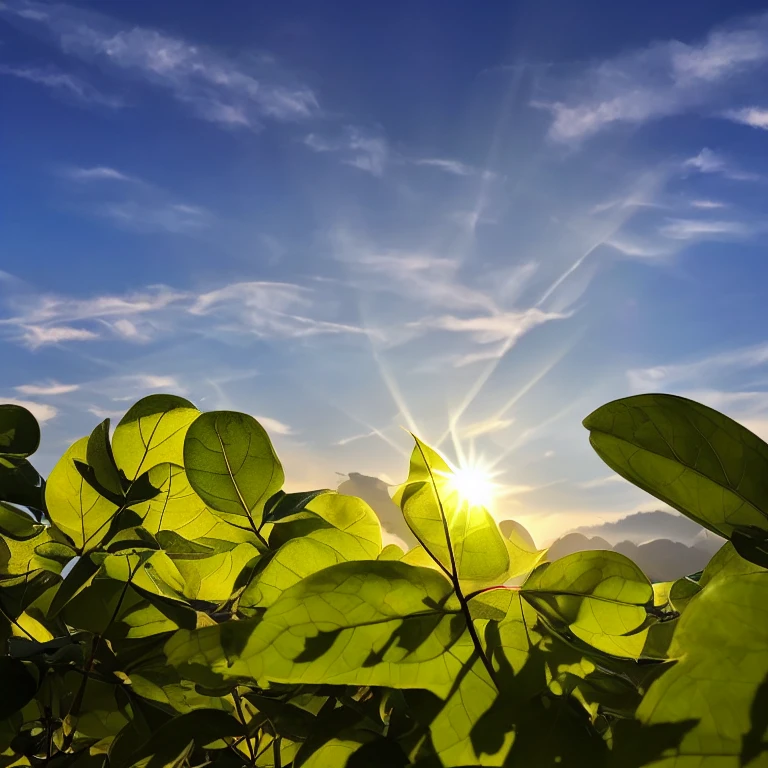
(474, 485)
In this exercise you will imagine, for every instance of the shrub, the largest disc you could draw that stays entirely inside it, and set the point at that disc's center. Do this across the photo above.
(164, 603)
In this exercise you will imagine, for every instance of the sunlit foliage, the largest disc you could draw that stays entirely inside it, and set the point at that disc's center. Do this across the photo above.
(164, 603)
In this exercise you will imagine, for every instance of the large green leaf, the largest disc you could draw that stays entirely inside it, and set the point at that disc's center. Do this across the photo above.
(462, 537)
(601, 595)
(720, 680)
(179, 509)
(693, 458)
(358, 623)
(19, 431)
(231, 464)
(212, 578)
(21, 483)
(152, 432)
(73, 506)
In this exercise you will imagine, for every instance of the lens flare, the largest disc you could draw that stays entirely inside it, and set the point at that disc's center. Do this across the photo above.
(474, 485)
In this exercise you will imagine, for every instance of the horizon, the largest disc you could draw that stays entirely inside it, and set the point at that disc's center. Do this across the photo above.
(477, 226)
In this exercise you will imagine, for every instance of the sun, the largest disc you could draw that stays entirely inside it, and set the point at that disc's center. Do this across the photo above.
(474, 485)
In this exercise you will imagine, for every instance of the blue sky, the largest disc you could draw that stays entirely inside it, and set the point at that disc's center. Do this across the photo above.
(348, 218)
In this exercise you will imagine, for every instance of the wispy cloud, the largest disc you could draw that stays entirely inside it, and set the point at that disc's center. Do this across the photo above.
(35, 336)
(757, 117)
(264, 309)
(361, 148)
(708, 161)
(663, 79)
(695, 229)
(148, 216)
(98, 173)
(63, 83)
(47, 390)
(40, 411)
(708, 368)
(708, 204)
(273, 426)
(217, 88)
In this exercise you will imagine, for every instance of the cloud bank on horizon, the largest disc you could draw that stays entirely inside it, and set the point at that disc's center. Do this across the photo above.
(479, 226)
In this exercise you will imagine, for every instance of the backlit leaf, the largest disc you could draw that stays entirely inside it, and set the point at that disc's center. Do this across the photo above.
(693, 458)
(73, 506)
(19, 431)
(462, 537)
(231, 464)
(152, 432)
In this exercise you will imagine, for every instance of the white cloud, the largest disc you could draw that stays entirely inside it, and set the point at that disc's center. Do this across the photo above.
(707, 204)
(47, 390)
(355, 438)
(63, 83)
(358, 147)
(98, 173)
(35, 336)
(696, 371)
(104, 413)
(757, 117)
(663, 79)
(128, 330)
(40, 411)
(149, 216)
(454, 167)
(694, 229)
(273, 426)
(708, 161)
(600, 482)
(217, 88)
(505, 326)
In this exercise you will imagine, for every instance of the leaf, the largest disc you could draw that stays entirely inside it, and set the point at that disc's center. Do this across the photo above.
(179, 509)
(345, 523)
(19, 686)
(19, 431)
(73, 506)
(522, 559)
(722, 672)
(213, 578)
(391, 552)
(152, 432)
(464, 539)
(695, 459)
(601, 596)
(231, 464)
(360, 623)
(21, 483)
(286, 504)
(100, 458)
(166, 745)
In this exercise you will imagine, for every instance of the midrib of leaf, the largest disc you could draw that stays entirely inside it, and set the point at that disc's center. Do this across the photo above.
(454, 576)
(234, 481)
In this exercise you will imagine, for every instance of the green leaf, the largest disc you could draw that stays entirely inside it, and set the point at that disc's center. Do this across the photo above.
(21, 483)
(179, 509)
(100, 458)
(73, 506)
(231, 464)
(19, 686)
(295, 560)
(152, 432)
(522, 558)
(360, 623)
(19, 431)
(721, 678)
(345, 523)
(391, 552)
(462, 537)
(695, 459)
(172, 741)
(213, 578)
(601, 596)
(286, 504)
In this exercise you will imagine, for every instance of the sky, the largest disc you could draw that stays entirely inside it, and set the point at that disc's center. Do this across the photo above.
(476, 222)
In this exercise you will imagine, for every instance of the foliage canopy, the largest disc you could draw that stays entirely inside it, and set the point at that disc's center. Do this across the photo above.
(163, 602)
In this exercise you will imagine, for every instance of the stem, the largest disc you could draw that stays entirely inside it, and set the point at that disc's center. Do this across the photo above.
(276, 752)
(74, 711)
(239, 708)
